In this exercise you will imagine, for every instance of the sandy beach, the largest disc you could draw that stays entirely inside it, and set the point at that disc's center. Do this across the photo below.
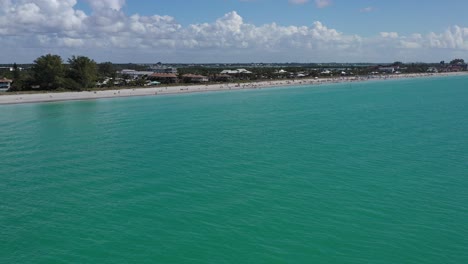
(17, 98)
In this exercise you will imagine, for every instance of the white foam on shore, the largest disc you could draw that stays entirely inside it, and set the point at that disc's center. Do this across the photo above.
(18, 98)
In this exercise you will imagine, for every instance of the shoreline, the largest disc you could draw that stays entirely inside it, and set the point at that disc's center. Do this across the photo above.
(7, 98)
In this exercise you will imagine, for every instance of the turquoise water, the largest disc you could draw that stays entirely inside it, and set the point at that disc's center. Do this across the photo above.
(371, 172)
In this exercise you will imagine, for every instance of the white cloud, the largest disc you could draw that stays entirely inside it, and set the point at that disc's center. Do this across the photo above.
(29, 29)
(298, 2)
(392, 35)
(367, 9)
(453, 38)
(322, 3)
(98, 5)
(410, 44)
(5, 4)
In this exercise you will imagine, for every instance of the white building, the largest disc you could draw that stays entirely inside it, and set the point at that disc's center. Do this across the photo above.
(5, 84)
(136, 74)
(238, 71)
(163, 69)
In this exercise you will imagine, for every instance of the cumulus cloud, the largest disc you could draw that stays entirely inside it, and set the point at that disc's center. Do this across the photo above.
(453, 38)
(41, 16)
(30, 28)
(98, 5)
(389, 34)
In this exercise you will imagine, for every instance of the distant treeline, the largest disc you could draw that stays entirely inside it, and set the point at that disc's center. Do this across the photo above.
(51, 72)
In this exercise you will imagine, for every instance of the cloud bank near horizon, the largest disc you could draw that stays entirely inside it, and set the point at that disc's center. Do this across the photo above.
(29, 29)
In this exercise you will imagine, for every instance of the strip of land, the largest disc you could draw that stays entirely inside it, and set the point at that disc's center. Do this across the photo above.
(19, 98)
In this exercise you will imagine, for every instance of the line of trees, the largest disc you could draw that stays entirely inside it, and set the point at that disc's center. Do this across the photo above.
(49, 72)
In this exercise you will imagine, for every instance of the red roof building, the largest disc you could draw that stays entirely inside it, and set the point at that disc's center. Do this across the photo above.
(194, 78)
(164, 77)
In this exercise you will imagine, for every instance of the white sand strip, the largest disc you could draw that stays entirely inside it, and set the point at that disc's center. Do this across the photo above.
(17, 98)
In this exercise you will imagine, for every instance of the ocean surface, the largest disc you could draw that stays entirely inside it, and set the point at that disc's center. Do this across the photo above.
(373, 172)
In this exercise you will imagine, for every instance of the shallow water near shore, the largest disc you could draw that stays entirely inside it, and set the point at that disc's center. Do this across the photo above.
(372, 172)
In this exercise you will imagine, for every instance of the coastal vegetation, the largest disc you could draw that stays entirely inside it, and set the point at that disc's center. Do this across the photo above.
(48, 72)
(51, 73)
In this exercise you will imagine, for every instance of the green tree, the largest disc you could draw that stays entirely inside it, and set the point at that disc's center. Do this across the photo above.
(16, 72)
(106, 69)
(17, 80)
(48, 71)
(457, 62)
(107, 72)
(83, 71)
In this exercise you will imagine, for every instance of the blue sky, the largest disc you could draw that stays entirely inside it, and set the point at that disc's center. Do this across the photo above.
(403, 16)
(235, 30)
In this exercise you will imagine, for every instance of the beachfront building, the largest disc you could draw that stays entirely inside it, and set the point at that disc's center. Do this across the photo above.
(10, 69)
(152, 83)
(240, 74)
(135, 74)
(5, 84)
(163, 69)
(301, 75)
(164, 77)
(223, 78)
(194, 78)
(238, 71)
(387, 69)
(457, 67)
